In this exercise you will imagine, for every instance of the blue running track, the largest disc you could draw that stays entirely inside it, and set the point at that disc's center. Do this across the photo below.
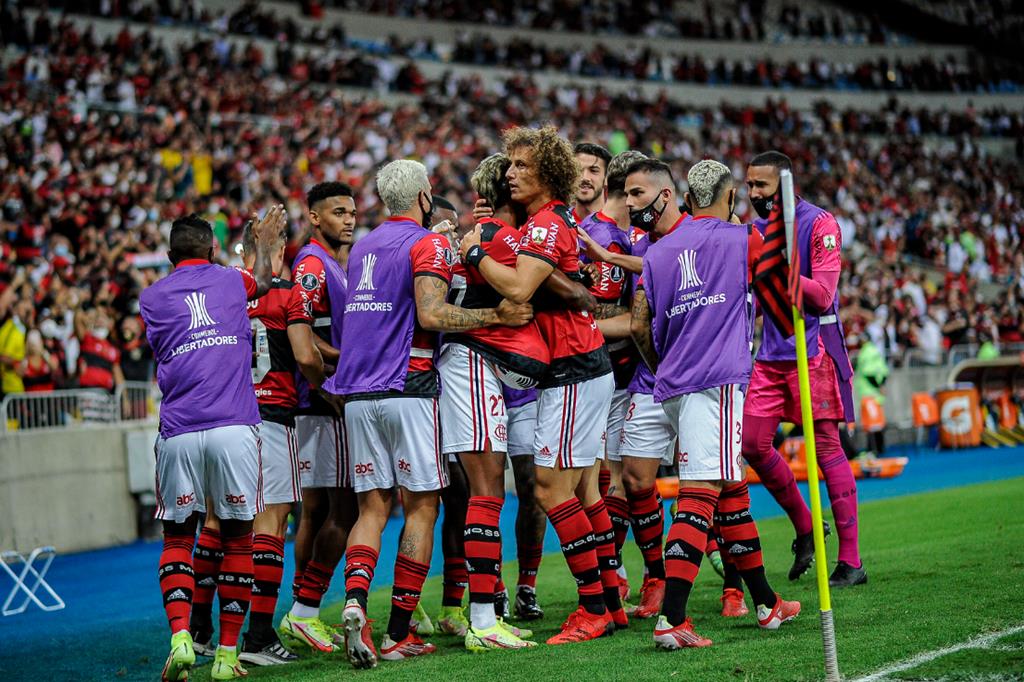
(114, 627)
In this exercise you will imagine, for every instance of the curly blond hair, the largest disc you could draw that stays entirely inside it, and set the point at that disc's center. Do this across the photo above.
(488, 180)
(557, 167)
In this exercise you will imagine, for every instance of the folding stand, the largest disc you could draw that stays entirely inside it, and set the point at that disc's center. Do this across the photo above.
(28, 574)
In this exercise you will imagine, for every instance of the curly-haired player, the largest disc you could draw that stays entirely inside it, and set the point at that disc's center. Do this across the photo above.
(575, 392)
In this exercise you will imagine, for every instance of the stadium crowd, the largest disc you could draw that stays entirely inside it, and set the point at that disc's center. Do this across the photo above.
(100, 151)
(599, 61)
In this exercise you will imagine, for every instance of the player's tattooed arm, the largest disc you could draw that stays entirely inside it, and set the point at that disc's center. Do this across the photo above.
(603, 311)
(617, 326)
(640, 330)
(435, 313)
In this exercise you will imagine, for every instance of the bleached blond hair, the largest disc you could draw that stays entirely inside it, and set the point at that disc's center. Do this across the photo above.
(400, 182)
(707, 180)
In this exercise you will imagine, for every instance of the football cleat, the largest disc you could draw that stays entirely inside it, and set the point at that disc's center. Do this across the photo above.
(501, 606)
(623, 589)
(803, 550)
(496, 637)
(202, 640)
(181, 659)
(307, 632)
(733, 604)
(420, 622)
(846, 575)
(410, 647)
(667, 636)
(715, 558)
(582, 626)
(521, 633)
(651, 595)
(453, 621)
(782, 612)
(527, 607)
(270, 653)
(619, 618)
(358, 639)
(226, 665)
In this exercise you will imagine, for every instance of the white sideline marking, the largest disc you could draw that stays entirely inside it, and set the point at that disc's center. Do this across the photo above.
(982, 642)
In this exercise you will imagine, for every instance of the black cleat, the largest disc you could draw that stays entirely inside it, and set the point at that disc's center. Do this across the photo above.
(846, 575)
(271, 652)
(803, 549)
(526, 604)
(502, 604)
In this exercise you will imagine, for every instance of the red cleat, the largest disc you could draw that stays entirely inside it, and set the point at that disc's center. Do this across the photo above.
(623, 589)
(582, 626)
(409, 647)
(667, 636)
(619, 619)
(651, 595)
(782, 612)
(733, 605)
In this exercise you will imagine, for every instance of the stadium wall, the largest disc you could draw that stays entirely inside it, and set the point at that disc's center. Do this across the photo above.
(67, 487)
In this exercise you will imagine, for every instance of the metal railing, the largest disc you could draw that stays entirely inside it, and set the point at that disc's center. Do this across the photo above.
(131, 401)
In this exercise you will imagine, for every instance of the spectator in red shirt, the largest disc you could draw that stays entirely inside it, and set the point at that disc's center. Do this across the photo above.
(98, 359)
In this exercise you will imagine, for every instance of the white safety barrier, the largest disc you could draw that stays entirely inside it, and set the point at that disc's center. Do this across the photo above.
(30, 580)
(131, 401)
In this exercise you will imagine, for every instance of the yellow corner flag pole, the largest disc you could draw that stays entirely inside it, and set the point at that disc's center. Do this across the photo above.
(828, 633)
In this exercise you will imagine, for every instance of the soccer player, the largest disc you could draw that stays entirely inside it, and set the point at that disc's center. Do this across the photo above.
(609, 228)
(282, 344)
(474, 366)
(328, 502)
(774, 391)
(575, 393)
(401, 272)
(208, 448)
(696, 282)
(593, 160)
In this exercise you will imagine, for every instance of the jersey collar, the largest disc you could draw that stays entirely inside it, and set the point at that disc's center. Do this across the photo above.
(188, 262)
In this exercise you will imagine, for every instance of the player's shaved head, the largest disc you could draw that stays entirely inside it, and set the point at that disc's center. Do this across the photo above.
(659, 170)
(708, 181)
(619, 167)
(326, 190)
(489, 182)
(191, 237)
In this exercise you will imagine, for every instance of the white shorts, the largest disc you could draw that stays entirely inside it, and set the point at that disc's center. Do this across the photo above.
(280, 455)
(222, 464)
(395, 441)
(616, 421)
(522, 425)
(323, 456)
(572, 422)
(648, 433)
(472, 405)
(710, 424)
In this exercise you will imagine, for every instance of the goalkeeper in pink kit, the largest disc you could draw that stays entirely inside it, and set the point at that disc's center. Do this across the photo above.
(774, 394)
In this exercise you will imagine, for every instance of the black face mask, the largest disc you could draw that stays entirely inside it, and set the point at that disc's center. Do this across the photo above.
(763, 206)
(732, 206)
(647, 217)
(428, 215)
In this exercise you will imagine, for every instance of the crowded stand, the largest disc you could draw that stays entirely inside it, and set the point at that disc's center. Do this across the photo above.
(90, 184)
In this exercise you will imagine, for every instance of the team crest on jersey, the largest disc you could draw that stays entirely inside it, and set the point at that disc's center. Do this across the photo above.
(616, 274)
(449, 257)
(309, 281)
(538, 234)
(829, 242)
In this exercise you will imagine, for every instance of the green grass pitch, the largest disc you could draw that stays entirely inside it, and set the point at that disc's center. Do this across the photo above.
(944, 567)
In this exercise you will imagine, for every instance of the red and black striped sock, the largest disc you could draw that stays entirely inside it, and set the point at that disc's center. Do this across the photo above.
(741, 541)
(206, 562)
(607, 560)
(177, 579)
(482, 545)
(455, 580)
(360, 563)
(684, 549)
(405, 594)
(315, 581)
(234, 587)
(268, 567)
(604, 481)
(297, 582)
(576, 536)
(529, 562)
(731, 579)
(647, 516)
(618, 512)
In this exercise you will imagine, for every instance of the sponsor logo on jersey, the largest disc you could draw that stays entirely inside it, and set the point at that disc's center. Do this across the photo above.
(366, 276)
(404, 466)
(196, 302)
(186, 499)
(364, 469)
(234, 499)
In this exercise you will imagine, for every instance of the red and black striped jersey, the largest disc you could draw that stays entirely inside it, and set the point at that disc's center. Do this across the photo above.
(273, 363)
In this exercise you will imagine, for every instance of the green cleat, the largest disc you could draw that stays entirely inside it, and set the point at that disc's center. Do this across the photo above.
(521, 633)
(420, 622)
(181, 659)
(497, 637)
(226, 665)
(453, 621)
(307, 632)
(715, 558)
